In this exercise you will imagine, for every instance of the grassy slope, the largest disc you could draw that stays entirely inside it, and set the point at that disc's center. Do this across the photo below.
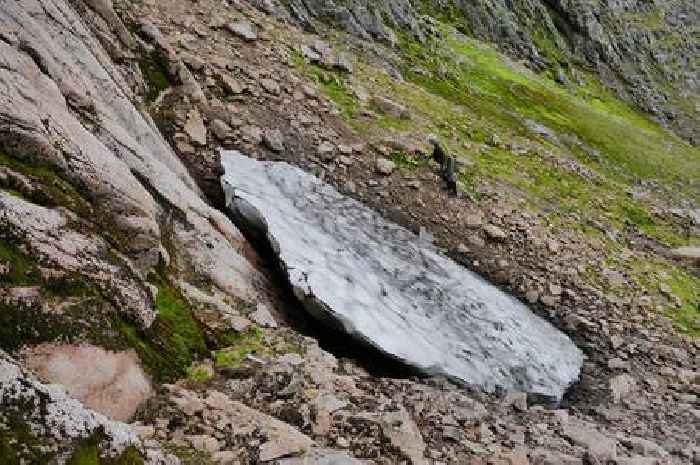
(469, 93)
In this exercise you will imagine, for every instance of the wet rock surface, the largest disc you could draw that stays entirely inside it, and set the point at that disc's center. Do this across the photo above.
(373, 279)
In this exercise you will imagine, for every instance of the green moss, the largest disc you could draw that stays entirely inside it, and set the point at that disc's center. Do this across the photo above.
(198, 374)
(189, 456)
(238, 346)
(88, 453)
(154, 69)
(56, 190)
(172, 342)
(24, 271)
(656, 278)
(408, 162)
(18, 444)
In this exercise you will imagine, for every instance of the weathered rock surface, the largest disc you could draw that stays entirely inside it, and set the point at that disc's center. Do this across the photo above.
(64, 103)
(60, 419)
(373, 280)
(113, 384)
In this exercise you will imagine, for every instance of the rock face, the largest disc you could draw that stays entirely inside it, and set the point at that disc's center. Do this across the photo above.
(372, 279)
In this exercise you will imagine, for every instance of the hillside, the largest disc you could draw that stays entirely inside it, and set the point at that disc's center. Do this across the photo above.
(157, 294)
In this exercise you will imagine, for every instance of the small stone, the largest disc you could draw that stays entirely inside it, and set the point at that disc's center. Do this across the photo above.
(221, 130)
(263, 317)
(384, 166)
(231, 85)
(194, 127)
(555, 289)
(273, 140)
(270, 85)
(621, 386)
(532, 296)
(204, 443)
(473, 221)
(225, 457)
(517, 400)
(495, 233)
(452, 432)
(243, 29)
(252, 134)
(390, 107)
(326, 151)
(239, 323)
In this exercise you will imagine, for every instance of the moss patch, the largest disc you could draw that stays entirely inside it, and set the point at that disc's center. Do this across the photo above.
(154, 69)
(88, 453)
(18, 444)
(55, 189)
(237, 346)
(172, 342)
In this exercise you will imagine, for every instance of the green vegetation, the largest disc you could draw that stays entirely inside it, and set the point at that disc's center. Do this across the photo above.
(154, 68)
(199, 373)
(408, 162)
(681, 287)
(189, 456)
(23, 271)
(18, 444)
(88, 453)
(56, 190)
(172, 342)
(237, 346)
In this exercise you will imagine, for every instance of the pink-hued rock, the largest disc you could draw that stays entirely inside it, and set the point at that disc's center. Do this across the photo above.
(112, 383)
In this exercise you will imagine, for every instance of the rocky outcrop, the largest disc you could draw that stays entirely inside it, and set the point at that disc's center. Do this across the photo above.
(66, 105)
(97, 213)
(642, 50)
(112, 383)
(57, 420)
(377, 282)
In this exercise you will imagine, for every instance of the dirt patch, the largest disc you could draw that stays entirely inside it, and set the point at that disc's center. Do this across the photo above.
(112, 383)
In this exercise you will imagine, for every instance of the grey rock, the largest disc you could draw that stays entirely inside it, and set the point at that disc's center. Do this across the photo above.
(495, 233)
(621, 386)
(384, 166)
(243, 29)
(194, 127)
(388, 291)
(263, 316)
(274, 140)
(599, 446)
(221, 130)
(390, 107)
(690, 254)
(317, 456)
(270, 85)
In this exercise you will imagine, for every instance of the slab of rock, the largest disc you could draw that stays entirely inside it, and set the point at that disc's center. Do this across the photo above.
(243, 29)
(385, 167)
(319, 456)
(689, 254)
(195, 129)
(390, 107)
(263, 317)
(375, 281)
(599, 446)
(112, 383)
